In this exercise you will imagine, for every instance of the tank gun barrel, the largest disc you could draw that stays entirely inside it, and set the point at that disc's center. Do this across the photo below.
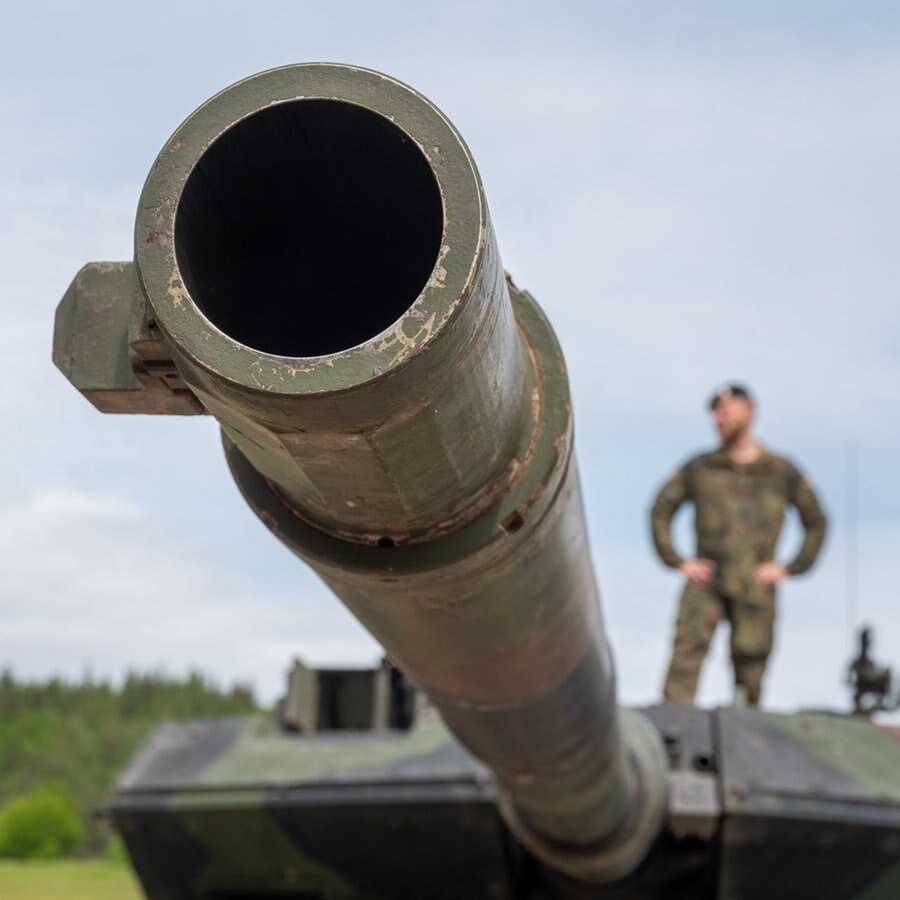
(315, 267)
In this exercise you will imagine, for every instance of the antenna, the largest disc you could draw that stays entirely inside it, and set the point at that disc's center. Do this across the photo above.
(851, 519)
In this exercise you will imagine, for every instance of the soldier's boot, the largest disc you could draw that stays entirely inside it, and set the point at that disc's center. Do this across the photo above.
(748, 676)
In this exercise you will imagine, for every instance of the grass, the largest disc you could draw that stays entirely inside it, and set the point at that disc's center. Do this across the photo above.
(67, 880)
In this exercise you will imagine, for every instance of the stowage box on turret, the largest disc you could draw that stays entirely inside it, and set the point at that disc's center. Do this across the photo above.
(315, 267)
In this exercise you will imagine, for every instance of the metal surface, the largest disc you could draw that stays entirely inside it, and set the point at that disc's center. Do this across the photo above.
(236, 807)
(761, 805)
(314, 248)
(106, 346)
(431, 408)
(872, 683)
(811, 807)
(501, 627)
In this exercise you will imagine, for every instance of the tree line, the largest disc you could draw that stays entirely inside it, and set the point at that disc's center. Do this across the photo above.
(62, 744)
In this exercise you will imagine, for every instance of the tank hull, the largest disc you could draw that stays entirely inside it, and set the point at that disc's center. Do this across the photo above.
(761, 805)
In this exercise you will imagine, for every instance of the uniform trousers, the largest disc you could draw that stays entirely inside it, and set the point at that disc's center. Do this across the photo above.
(751, 614)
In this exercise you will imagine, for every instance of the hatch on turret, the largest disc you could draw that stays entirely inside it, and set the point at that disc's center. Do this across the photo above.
(380, 699)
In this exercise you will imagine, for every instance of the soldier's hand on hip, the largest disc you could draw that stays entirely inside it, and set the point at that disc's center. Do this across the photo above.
(769, 573)
(698, 571)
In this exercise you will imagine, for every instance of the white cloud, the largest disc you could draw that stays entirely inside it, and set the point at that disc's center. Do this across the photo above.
(686, 223)
(717, 199)
(90, 582)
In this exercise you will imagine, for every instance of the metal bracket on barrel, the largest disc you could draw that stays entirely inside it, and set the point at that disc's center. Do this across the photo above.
(112, 351)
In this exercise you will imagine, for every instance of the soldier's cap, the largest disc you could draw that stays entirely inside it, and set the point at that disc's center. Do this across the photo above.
(723, 392)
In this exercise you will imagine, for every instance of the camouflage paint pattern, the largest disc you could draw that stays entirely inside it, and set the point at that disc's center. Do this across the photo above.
(700, 610)
(811, 806)
(238, 807)
(762, 805)
(738, 515)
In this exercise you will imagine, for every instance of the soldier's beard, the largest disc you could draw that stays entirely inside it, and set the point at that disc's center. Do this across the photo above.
(732, 435)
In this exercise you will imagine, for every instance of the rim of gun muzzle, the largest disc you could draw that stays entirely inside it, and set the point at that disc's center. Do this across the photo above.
(316, 265)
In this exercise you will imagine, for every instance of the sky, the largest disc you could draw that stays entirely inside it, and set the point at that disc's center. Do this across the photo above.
(695, 192)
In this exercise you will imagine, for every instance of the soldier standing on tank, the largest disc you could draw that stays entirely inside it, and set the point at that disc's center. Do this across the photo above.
(739, 492)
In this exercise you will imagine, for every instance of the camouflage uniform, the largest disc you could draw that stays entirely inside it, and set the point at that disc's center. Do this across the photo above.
(739, 510)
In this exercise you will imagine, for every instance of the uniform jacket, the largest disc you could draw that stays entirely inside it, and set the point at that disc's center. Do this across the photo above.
(738, 514)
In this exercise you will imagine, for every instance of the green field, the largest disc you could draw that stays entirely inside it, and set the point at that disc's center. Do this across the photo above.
(67, 880)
